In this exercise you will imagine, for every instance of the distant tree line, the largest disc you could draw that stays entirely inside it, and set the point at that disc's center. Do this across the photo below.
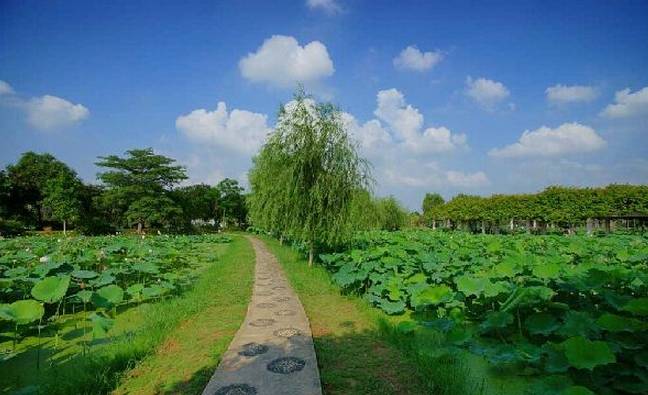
(138, 190)
(556, 207)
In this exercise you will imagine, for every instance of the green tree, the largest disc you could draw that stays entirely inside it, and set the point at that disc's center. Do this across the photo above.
(139, 184)
(304, 179)
(199, 201)
(432, 202)
(61, 198)
(153, 210)
(28, 178)
(94, 219)
(231, 202)
(392, 215)
(364, 211)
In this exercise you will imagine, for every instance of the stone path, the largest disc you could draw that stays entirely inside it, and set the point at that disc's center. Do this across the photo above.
(272, 352)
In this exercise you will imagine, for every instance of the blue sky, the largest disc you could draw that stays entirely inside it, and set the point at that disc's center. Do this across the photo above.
(473, 97)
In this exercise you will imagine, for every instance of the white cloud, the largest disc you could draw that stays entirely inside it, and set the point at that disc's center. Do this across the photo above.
(485, 92)
(5, 88)
(391, 108)
(371, 135)
(282, 62)
(239, 130)
(406, 122)
(331, 7)
(467, 180)
(563, 94)
(50, 112)
(568, 138)
(628, 104)
(411, 58)
(431, 175)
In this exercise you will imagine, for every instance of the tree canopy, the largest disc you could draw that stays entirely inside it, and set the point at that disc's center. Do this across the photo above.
(563, 206)
(138, 185)
(62, 198)
(28, 179)
(200, 201)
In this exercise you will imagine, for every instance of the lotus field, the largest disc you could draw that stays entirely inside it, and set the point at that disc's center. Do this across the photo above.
(573, 311)
(45, 280)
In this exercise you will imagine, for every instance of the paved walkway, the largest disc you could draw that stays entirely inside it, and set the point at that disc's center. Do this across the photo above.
(272, 352)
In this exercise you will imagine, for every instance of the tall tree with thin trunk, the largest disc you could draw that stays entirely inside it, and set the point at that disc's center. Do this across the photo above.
(304, 179)
(62, 198)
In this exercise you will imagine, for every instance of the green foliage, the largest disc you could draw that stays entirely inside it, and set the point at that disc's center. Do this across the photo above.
(555, 304)
(138, 185)
(62, 198)
(199, 201)
(28, 179)
(391, 215)
(231, 202)
(108, 296)
(153, 211)
(432, 203)
(585, 354)
(562, 206)
(51, 289)
(96, 269)
(24, 312)
(306, 175)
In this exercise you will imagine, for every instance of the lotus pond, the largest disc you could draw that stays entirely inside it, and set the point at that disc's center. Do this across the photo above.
(65, 297)
(569, 312)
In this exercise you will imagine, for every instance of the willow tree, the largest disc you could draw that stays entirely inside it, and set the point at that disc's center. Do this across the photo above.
(305, 176)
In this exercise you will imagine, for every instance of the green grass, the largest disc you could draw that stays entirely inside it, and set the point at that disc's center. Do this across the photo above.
(171, 346)
(359, 349)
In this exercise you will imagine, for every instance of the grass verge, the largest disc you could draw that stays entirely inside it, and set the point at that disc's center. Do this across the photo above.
(171, 346)
(207, 321)
(359, 348)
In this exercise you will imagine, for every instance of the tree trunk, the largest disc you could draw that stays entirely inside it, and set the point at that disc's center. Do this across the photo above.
(139, 228)
(281, 240)
(310, 255)
(511, 224)
(483, 227)
(589, 225)
(64, 227)
(535, 224)
(434, 224)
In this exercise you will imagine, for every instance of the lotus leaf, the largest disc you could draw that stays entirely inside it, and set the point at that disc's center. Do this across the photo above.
(471, 285)
(392, 308)
(26, 311)
(497, 320)
(100, 325)
(637, 306)
(432, 295)
(541, 324)
(617, 323)
(84, 274)
(51, 289)
(586, 354)
(84, 296)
